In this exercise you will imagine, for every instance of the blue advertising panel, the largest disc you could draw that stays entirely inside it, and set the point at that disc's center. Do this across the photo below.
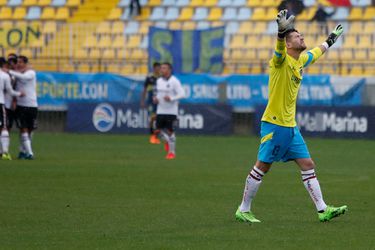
(188, 51)
(240, 91)
(130, 119)
(59, 89)
(351, 121)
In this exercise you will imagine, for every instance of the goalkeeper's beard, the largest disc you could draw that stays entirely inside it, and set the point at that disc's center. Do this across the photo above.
(300, 48)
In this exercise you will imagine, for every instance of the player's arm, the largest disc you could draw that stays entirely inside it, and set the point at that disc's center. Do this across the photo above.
(284, 25)
(280, 52)
(9, 89)
(180, 92)
(313, 55)
(28, 75)
(332, 38)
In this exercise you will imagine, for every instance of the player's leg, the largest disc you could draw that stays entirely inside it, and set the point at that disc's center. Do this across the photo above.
(274, 143)
(170, 130)
(23, 123)
(252, 184)
(299, 152)
(19, 123)
(4, 138)
(311, 183)
(153, 132)
(4, 135)
(153, 123)
(31, 126)
(10, 115)
(161, 126)
(26, 143)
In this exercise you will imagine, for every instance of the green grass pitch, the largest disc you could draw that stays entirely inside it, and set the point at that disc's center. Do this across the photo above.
(118, 192)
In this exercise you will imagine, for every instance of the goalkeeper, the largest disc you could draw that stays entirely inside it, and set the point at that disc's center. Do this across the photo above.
(280, 136)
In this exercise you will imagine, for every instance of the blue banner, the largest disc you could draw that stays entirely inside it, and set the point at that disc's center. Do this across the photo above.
(320, 121)
(59, 89)
(188, 51)
(243, 92)
(129, 118)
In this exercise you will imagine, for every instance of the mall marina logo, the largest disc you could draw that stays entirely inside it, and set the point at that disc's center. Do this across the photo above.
(104, 117)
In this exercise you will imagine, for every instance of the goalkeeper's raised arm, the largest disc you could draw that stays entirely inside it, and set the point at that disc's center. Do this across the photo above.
(285, 25)
(291, 42)
(312, 55)
(332, 38)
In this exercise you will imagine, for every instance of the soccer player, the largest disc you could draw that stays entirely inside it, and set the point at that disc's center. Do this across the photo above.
(5, 87)
(168, 92)
(280, 137)
(146, 100)
(27, 106)
(11, 101)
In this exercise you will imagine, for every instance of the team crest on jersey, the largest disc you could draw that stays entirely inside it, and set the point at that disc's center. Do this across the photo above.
(296, 80)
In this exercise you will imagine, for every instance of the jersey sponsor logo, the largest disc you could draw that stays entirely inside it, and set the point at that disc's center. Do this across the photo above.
(104, 117)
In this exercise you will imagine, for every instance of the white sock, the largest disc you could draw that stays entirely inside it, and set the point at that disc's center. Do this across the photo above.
(312, 186)
(172, 143)
(4, 138)
(253, 181)
(164, 136)
(21, 147)
(26, 142)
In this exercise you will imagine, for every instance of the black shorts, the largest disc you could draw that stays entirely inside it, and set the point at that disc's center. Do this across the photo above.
(169, 122)
(11, 117)
(3, 117)
(26, 117)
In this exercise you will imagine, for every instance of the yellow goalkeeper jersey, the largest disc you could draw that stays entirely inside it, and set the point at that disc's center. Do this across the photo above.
(284, 82)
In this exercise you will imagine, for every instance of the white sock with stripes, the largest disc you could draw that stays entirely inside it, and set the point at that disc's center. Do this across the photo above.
(4, 138)
(172, 143)
(253, 181)
(312, 186)
(164, 136)
(26, 142)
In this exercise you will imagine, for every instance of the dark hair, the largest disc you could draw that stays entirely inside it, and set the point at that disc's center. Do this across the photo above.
(287, 34)
(168, 64)
(23, 58)
(12, 58)
(2, 61)
(156, 64)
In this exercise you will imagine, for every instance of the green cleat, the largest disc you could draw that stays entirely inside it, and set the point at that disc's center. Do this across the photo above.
(332, 212)
(246, 216)
(6, 156)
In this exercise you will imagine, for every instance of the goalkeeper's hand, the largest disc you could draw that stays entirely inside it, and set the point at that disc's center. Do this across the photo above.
(332, 38)
(283, 23)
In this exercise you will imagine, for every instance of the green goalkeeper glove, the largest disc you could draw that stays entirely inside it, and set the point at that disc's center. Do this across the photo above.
(332, 38)
(283, 23)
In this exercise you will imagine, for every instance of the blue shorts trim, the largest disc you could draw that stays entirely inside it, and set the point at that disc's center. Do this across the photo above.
(280, 143)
